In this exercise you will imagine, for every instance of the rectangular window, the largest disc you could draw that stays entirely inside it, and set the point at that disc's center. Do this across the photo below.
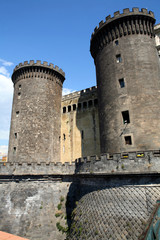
(74, 107)
(128, 140)
(14, 150)
(116, 43)
(17, 113)
(122, 83)
(125, 116)
(15, 135)
(118, 57)
(69, 108)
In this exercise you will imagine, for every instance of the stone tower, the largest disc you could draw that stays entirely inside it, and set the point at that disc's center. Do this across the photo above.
(128, 81)
(36, 113)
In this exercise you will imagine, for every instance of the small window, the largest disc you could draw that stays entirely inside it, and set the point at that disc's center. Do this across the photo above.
(79, 106)
(17, 113)
(14, 149)
(125, 116)
(64, 136)
(95, 102)
(90, 103)
(118, 57)
(15, 135)
(64, 109)
(122, 83)
(19, 95)
(128, 140)
(69, 108)
(116, 42)
(82, 134)
(19, 87)
(85, 105)
(74, 107)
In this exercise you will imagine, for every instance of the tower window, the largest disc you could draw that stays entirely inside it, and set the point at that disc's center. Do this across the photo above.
(85, 105)
(90, 103)
(74, 107)
(19, 87)
(128, 140)
(14, 149)
(19, 95)
(122, 83)
(15, 135)
(125, 116)
(17, 113)
(64, 109)
(69, 108)
(116, 42)
(95, 102)
(118, 57)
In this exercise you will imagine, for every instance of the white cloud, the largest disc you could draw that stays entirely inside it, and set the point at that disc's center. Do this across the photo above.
(6, 63)
(67, 91)
(3, 150)
(6, 94)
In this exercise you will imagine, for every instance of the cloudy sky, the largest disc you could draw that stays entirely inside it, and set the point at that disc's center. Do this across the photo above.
(55, 31)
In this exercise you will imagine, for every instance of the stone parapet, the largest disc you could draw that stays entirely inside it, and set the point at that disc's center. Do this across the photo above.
(129, 22)
(80, 93)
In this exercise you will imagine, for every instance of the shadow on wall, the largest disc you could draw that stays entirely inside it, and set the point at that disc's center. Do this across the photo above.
(88, 123)
(106, 202)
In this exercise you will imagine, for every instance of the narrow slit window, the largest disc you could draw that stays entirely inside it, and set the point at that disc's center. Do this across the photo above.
(15, 135)
(125, 116)
(19, 87)
(82, 134)
(95, 102)
(74, 107)
(14, 149)
(116, 42)
(64, 137)
(118, 58)
(90, 103)
(17, 113)
(69, 108)
(64, 109)
(121, 83)
(85, 105)
(128, 140)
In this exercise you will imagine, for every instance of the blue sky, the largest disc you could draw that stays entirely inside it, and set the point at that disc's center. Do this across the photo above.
(55, 31)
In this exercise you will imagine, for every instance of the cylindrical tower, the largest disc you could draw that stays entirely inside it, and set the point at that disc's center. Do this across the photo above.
(128, 81)
(36, 113)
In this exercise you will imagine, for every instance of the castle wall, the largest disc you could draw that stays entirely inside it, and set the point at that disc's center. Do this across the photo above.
(79, 125)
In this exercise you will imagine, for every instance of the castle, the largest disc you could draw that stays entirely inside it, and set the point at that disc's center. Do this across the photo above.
(111, 130)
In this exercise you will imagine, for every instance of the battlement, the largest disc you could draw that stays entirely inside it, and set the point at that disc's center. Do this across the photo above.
(122, 24)
(39, 64)
(80, 93)
(126, 13)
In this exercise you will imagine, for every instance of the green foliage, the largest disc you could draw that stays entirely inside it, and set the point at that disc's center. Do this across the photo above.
(122, 166)
(61, 199)
(61, 228)
(59, 206)
(58, 215)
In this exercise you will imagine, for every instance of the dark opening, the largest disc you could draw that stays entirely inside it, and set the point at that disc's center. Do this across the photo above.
(17, 113)
(79, 106)
(128, 140)
(82, 134)
(122, 83)
(125, 116)
(64, 136)
(64, 109)
(19, 86)
(95, 102)
(85, 105)
(14, 149)
(74, 107)
(116, 42)
(69, 108)
(90, 103)
(15, 135)
(118, 57)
